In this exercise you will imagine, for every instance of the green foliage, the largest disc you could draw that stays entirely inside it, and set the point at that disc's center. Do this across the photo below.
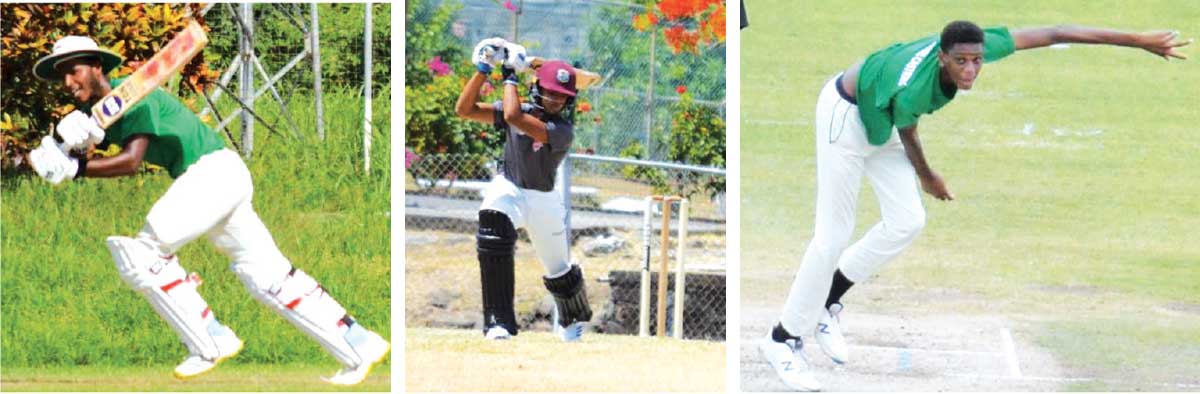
(31, 106)
(430, 122)
(64, 303)
(698, 136)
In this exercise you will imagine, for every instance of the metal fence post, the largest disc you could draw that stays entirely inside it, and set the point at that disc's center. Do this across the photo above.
(316, 60)
(650, 97)
(367, 91)
(246, 78)
(565, 172)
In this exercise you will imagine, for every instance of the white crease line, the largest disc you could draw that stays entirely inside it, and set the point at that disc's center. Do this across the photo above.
(966, 352)
(1042, 378)
(1010, 351)
(773, 122)
(1058, 379)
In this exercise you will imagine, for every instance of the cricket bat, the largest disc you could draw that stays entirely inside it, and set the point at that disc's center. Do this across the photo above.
(583, 78)
(178, 52)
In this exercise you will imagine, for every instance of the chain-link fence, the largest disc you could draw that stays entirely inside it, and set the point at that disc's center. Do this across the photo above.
(630, 109)
(607, 200)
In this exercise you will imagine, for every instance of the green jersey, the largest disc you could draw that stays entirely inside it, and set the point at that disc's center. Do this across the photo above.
(898, 84)
(177, 137)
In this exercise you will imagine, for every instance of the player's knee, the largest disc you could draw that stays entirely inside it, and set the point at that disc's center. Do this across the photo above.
(496, 237)
(910, 226)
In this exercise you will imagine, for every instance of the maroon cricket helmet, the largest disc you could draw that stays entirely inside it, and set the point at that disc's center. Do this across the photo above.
(558, 76)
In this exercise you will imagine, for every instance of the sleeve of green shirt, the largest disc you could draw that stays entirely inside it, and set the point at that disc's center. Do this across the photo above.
(997, 44)
(141, 119)
(902, 116)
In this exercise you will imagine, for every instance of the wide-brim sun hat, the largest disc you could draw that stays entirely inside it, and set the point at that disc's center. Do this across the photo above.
(558, 76)
(74, 47)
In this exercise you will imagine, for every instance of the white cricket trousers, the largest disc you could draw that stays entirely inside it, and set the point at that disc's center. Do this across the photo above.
(541, 214)
(213, 198)
(843, 157)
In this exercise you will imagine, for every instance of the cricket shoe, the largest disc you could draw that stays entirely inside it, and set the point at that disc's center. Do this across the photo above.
(498, 333)
(195, 364)
(571, 333)
(790, 363)
(829, 334)
(372, 349)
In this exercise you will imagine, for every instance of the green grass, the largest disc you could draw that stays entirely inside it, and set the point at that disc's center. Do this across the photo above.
(64, 306)
(454, 360)
(1112, 213)
(229, 376)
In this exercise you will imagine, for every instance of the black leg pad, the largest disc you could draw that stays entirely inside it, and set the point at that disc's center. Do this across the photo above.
(496, 245)
(571, 296)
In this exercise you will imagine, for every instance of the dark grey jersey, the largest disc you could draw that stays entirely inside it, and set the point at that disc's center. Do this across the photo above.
(528, 163)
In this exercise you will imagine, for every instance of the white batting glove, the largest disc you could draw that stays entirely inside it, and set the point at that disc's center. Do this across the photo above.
(515, 58)
(50, 163)
(488, 54)
(78, 130)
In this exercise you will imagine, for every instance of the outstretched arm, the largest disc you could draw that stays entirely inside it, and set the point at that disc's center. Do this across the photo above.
(1160, 43)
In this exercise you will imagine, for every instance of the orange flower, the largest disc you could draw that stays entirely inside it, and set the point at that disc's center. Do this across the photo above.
(585, 107)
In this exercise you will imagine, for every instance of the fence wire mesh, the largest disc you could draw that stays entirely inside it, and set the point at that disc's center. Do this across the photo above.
(442, 196)
(630, 110)
(599, 36)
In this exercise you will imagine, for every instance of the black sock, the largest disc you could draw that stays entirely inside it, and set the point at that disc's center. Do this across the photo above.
(839, 287)
(779, 334)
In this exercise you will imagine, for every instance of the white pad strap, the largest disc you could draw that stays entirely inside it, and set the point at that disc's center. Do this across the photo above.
(171, 292)
(300, 299)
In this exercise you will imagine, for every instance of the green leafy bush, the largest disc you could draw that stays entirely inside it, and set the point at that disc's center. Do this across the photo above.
(31, 106)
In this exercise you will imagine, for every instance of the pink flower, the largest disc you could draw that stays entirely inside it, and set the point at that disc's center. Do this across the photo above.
(487, 89)
(509, 6)
(438, 67)
(409, 158)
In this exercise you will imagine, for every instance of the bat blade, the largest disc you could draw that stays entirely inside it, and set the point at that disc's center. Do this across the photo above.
(178, 52)
(583, 78)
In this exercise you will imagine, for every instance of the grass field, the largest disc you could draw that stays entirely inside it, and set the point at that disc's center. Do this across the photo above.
(1075, 210)
(66, 310)
(462, 360)
(229, 376)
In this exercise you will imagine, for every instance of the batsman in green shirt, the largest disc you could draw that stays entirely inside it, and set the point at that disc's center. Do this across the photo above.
(866, 125)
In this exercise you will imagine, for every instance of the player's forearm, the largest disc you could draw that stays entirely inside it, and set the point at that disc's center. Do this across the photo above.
(108, 167)
(522, 121)
(1046, 36)
(916, 155)
(469, 96)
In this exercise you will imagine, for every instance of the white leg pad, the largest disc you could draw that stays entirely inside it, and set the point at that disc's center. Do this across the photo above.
(300, 299)
(171, 292)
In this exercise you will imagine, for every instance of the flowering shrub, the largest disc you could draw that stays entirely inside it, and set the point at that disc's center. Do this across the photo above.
(686, 24)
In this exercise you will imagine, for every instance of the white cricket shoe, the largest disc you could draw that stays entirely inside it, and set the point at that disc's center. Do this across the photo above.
(498, 333)
(829, 334)
(195, 364)
(790, 363)
(571, 333)
(372, 351)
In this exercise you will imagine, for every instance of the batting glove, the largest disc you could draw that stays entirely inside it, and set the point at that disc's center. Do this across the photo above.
(514, 56)
(487, 54)
(50, 163)
(78, 130)
(510, 75)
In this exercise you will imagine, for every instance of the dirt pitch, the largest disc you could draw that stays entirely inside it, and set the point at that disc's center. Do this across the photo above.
(462, 360)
